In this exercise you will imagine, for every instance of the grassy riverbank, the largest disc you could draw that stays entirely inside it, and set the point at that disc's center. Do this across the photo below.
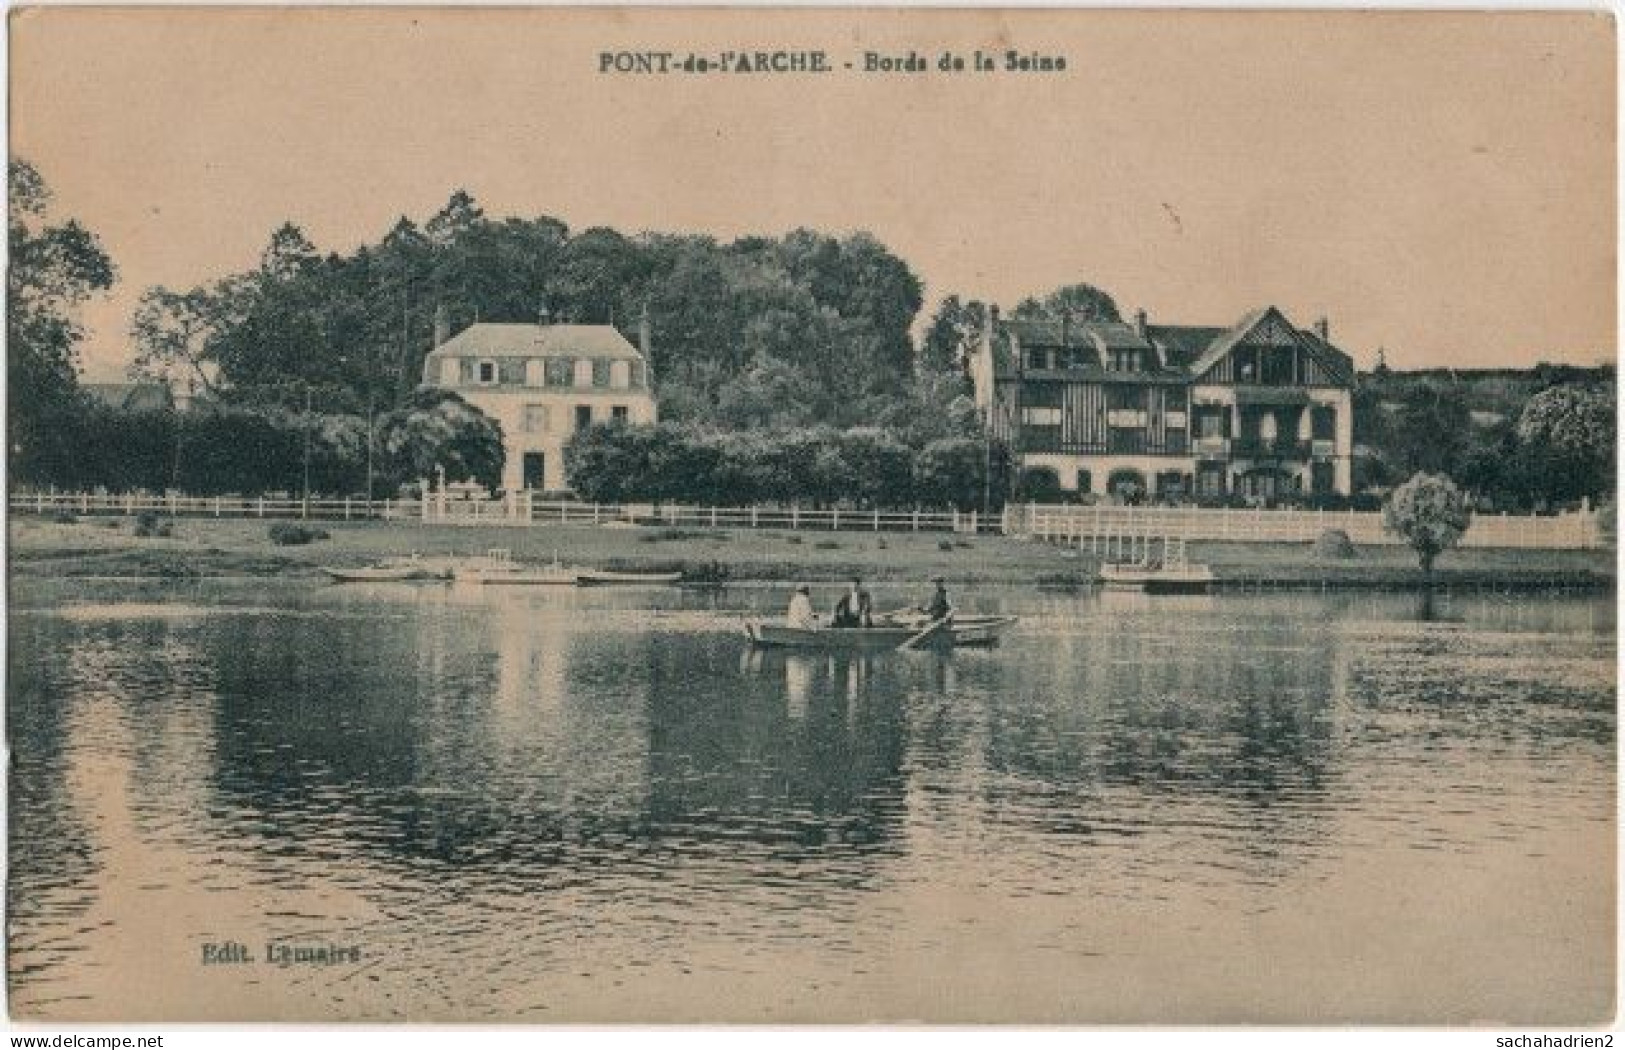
(107, 547)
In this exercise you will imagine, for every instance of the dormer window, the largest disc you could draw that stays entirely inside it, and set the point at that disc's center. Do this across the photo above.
(485, 373)
(1125, 360)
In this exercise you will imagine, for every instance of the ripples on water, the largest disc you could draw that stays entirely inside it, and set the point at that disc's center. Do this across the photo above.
(553, 805)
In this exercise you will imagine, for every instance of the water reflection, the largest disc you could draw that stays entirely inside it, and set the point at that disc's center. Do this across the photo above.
(514, 772)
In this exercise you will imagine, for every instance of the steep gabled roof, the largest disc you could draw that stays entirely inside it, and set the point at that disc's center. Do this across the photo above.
(1182, 343)
(1335, 361)
(1101, 335)
(1230, 338)
(530, 340)
(1186, 350)
(1331, 358)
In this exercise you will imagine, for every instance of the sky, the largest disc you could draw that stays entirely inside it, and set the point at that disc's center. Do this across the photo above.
(1440, 185)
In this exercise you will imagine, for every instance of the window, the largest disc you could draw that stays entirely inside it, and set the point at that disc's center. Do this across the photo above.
(1210, 483)
(1175, 419)
(1278, 367)
(600, 373)
(1044, 417)
(1324, 422)
(1037, 358)
(1125, 417)
(583, 417)
(583, 375)
(1125, 360)
(534, 375)
(560, 371)
(486, 372)
(1210, 425)
(1085, 482)
(620, 375)
(617, 414)
(535, 421)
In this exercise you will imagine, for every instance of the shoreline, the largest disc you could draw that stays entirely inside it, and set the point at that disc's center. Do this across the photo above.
(92, 548)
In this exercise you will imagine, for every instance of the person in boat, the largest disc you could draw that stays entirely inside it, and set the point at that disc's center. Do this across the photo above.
(938, 608)
(855, 609)
(801, 613)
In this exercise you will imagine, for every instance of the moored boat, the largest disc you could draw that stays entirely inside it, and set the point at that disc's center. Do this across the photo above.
(1157, 579)
(1170, 574)
(393, 570)
(498, 567)
(605, 577)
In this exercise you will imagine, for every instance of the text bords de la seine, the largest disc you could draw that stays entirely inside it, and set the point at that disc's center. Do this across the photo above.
(789, 61)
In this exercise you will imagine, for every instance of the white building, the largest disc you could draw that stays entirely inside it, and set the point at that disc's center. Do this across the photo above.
(542, 383)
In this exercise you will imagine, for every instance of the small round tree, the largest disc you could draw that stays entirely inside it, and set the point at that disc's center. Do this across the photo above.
(1431, 513)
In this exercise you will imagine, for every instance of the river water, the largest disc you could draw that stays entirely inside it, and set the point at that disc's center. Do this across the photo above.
(556, 805)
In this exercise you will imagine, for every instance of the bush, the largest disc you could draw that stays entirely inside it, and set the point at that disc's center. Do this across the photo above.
(827, 545)
(1334, 543)
(672, 535)
(62, 517)
(287, 534)
(147, 525)
(945, 545)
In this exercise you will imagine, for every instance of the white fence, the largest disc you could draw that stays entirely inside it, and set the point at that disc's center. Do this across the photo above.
(215, 506)
(1100, 526)
(1096, 527)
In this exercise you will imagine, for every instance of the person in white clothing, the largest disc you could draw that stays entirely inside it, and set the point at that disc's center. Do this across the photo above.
(801, 611)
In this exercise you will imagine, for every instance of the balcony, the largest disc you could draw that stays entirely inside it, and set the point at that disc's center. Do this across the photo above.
(1212, 447)
(1258, 448)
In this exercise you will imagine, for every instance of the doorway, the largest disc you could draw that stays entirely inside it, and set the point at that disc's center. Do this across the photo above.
(534, 466)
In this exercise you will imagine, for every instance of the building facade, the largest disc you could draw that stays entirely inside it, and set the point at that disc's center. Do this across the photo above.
(1261, 409)
(542, 383)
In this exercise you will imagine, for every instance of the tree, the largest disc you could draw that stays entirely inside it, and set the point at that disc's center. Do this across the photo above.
(1077, 302)
(1432, 429)
(1571, 429)
(1431, 513)
(53, 270)
(954, 332)
(438, 429)
(173, 334)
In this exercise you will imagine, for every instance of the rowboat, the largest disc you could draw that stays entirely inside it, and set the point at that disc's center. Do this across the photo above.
(959, 631)
(967, 630)
(854, 639)
(394, 570)
(498, 567)
(604, 577)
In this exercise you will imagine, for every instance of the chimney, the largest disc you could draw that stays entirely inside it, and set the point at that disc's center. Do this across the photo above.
(1323, 328)
(645, 342)
(442, 324)
(543, 318)
(990, 325)
(1139, 323)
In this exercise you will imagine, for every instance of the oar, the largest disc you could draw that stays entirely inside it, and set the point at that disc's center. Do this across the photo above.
(915, 639)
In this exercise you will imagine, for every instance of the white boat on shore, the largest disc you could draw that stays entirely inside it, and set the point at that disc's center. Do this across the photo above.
(498, 567)
(606, 578)
(410, 569)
